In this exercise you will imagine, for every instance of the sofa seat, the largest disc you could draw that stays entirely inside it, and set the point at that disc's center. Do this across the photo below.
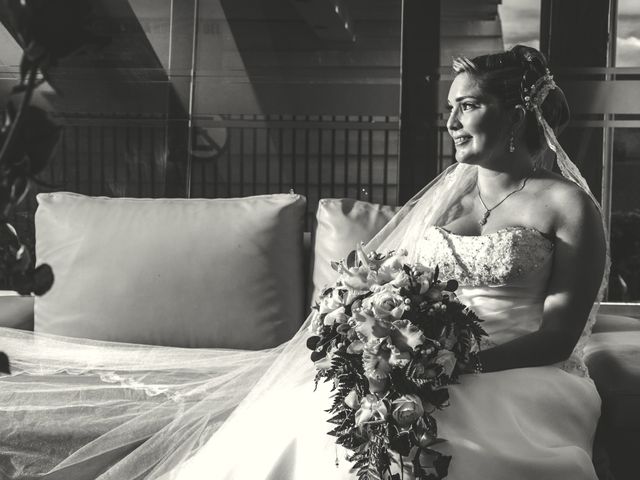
(613, 359)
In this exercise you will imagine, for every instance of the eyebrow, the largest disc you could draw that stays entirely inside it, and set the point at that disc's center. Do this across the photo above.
(458, 99)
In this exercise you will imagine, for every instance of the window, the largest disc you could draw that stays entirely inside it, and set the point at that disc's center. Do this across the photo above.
(628, 34)
(300, 95)
(520, 21)
(603, 137)
(624, 285)
(248, 98)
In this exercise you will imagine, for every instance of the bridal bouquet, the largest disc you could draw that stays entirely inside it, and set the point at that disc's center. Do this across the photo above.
(391, 336)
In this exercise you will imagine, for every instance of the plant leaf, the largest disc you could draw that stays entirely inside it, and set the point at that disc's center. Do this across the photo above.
(39, 136)
(4, 363)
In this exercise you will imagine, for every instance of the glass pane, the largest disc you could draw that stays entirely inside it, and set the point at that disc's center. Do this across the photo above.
(284, 95)
(113, 105)
(628, 35)
(302, 96)
(520, 21)
(624, 284)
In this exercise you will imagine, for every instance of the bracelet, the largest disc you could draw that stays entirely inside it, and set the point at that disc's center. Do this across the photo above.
(472, 365)
(477, 366)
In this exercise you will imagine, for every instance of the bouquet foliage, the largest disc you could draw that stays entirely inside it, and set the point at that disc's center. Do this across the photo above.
(391, 336)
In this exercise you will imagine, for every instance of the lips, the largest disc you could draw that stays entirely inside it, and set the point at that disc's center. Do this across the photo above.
(461, 139)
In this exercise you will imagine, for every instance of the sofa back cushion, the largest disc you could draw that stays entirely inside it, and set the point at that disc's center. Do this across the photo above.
(179, 272)
(341, 224)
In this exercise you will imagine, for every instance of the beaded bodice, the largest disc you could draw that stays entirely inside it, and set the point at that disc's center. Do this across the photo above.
(499, 258)
(503, 277)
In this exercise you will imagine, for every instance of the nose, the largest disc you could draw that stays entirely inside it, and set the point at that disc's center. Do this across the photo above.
(453, 122)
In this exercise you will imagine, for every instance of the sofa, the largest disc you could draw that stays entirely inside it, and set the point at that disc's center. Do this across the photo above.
(157, 271)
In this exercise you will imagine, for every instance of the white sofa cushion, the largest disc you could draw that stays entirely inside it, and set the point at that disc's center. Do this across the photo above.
(179, 272)
(341, 224)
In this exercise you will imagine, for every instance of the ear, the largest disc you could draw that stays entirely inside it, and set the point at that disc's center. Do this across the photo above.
(518, 116)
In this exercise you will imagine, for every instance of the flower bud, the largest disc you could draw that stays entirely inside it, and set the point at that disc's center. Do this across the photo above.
(352, 400)
(377, 386)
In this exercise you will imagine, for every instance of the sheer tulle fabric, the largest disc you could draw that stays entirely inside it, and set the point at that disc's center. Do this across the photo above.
(144, 411)
(80, 407)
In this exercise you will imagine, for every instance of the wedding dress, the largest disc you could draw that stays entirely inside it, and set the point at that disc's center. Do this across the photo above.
(528, 423)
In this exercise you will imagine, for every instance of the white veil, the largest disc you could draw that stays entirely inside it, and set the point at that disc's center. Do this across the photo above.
(144, 411)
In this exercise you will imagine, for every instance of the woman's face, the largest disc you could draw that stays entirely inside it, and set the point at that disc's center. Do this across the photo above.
(478, 123)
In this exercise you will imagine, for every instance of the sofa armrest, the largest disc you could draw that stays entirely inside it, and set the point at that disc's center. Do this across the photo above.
(615, 323)
(16, 311)
(613, 359)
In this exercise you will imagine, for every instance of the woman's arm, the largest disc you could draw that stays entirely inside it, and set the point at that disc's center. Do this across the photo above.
(576, 274)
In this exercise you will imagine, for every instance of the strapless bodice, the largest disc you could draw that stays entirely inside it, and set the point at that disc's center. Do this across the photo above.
(510, 256)
(503, 276)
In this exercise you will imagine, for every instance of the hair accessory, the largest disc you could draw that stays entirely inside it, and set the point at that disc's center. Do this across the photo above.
(534, 95)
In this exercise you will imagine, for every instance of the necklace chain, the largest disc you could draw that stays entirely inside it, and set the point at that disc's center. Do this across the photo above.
(488, 210)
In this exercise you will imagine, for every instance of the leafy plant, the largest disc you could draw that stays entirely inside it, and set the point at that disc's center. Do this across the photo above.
(47, 31)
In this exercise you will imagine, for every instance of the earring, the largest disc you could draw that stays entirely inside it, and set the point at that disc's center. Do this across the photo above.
(512, 144)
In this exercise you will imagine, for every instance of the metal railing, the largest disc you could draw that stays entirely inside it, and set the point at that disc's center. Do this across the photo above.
(232, 156)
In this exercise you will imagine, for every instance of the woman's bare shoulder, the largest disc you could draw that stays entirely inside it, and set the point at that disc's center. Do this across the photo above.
(571, 206)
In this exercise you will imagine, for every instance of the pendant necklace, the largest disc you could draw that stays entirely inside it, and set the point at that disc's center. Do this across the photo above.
(488, 210)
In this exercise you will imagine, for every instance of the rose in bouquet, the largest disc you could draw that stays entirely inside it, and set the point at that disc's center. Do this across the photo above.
(391, 336)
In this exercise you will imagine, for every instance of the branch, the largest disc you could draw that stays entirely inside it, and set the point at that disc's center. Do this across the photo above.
(15, 124)
(4, 363)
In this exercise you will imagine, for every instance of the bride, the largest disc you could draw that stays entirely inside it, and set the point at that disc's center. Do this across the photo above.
(528, 248)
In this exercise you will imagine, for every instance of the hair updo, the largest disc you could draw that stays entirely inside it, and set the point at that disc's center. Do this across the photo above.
(505, 75)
